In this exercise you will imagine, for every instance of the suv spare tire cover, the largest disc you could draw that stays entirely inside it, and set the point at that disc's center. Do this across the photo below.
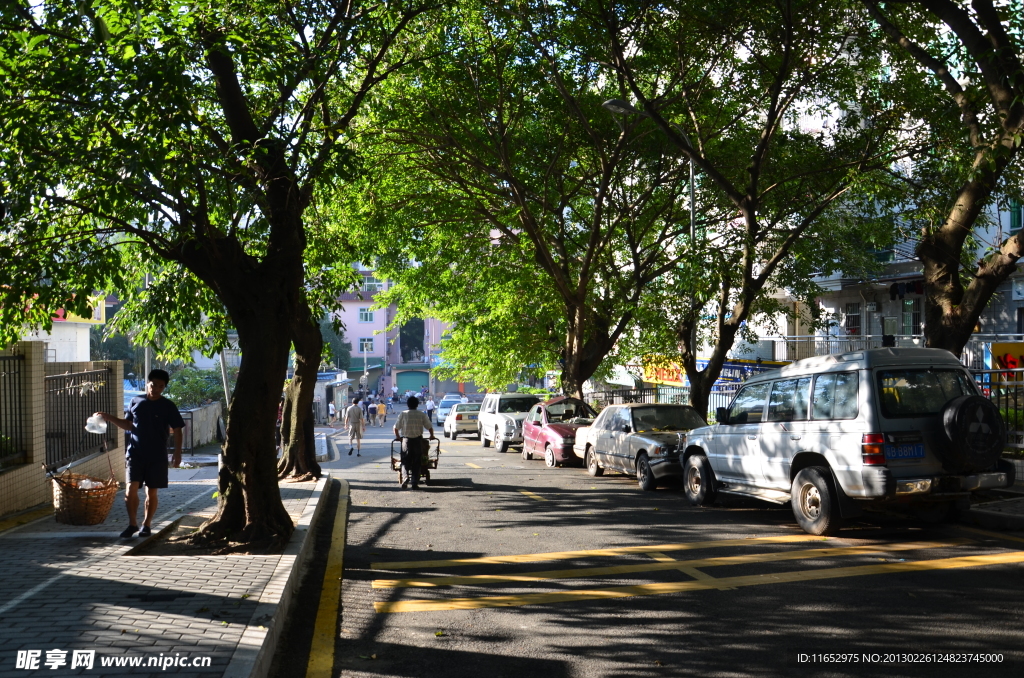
(974, 432)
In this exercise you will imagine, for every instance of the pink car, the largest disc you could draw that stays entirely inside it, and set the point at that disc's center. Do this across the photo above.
(550, 429)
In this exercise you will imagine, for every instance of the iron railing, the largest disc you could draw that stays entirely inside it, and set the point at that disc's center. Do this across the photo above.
(70, 400)
(13, 445)
(187, 434)
(1005, 388)
(720, 396)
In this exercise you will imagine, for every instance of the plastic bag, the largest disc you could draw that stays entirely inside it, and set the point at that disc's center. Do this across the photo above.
(95, 424)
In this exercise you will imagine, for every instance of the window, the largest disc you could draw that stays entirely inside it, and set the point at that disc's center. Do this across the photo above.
(918, 393)
(789, 400)
(534, 415)
(748, 407)
(603, 421)
(514, 405)
(365, 315)
(835, 396)
(666, 418)
(366, 345)
(911, 316)
(569, 409)
(622, 420)
(371, 284)
(852, 323)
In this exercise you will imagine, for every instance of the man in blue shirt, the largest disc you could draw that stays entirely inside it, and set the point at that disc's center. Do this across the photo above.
(150, 418)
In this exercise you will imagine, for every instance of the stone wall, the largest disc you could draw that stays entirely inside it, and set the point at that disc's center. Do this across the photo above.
(204, 424)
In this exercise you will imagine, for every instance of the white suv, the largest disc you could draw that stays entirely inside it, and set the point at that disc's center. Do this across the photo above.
(501, 418)
(830, 433)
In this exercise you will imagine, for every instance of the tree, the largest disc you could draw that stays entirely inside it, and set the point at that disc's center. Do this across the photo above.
(787, 119)
(964, 78)
(188, 142)
(533, 222)
(340, 351)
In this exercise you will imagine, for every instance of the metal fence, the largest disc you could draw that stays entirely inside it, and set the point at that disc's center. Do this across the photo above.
(720, 396)
(1005, 388)
(187, 434)
(70, 400)
(12, 415)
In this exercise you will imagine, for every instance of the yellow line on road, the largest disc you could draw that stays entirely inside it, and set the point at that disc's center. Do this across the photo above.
(321, 652)
(584, 572)
(25, 518)
(533, 495)
(473, 465)
(690, 571)
(680, 587)
(592, 553)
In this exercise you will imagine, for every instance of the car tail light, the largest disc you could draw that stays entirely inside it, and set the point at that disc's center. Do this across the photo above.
(872, 449)
(458, 417)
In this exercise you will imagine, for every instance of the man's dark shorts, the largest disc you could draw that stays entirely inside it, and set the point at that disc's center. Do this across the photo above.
(151, 470)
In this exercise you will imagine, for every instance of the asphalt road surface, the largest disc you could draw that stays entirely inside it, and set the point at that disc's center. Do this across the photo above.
(503, 568)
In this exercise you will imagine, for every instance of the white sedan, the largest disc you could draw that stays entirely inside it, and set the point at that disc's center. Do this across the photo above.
(461, 419)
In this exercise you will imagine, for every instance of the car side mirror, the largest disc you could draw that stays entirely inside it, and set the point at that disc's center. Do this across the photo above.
(625, 428)
(722, 415)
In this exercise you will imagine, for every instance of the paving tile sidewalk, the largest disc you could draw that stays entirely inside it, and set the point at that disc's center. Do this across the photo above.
(70, 588)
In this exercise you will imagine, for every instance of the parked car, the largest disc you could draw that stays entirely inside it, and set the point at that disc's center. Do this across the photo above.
(550, 429)
(501, 418)
(445, 406)
(461, 419)
(830, 434)
(641, 440)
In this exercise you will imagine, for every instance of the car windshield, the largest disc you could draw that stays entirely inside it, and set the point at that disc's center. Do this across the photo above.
(918, 393)
(666, 418)
(514, 405)
(466, 407)
(570, 411)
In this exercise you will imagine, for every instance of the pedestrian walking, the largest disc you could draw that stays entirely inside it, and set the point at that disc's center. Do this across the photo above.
(429, 408)
(464, 399)
(150, 418)
(391, 404)
(332, 412)
(371, 413)
(382, 413)
(354, 422)
(409, 429)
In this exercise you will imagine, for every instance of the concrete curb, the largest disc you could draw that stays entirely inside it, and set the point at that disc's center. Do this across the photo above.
(1007, 515)
(256, 647)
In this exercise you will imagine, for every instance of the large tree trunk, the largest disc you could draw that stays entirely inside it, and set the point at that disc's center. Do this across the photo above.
(298, 458)
(587, 342)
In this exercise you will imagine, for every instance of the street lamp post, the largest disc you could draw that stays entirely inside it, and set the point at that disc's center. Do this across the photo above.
(620, 107)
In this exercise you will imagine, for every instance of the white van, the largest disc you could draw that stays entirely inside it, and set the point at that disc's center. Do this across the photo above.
(829, 433)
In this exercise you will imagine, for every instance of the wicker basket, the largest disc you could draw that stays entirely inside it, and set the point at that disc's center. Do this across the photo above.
(75, 506)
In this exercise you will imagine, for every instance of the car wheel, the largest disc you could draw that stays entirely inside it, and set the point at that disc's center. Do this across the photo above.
(454, 435)
(814, 502)
(593, 468)
(699, 480)
(645, 475)
(446, 434)
(500, 445)
(549, 457)
(527, 455)
(974, 434)
(484, 442)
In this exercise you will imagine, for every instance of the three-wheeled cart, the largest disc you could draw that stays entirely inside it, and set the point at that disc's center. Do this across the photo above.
(429, 461)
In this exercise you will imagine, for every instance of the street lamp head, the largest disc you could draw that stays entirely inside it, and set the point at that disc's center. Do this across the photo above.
(620, 107)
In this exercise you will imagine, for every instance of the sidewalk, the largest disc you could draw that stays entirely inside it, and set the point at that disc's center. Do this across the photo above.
(68, 588)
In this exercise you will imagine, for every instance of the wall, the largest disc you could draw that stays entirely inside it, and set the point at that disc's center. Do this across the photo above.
(25, 486)
(68, 340)
(204, 423)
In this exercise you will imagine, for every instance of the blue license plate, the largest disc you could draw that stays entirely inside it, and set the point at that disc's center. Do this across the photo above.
(472, 417)
(909, 451)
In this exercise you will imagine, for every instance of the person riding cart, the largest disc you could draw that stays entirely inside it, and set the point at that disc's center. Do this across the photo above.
(409, 429)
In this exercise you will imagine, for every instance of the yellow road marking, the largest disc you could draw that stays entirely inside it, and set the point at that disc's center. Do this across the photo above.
(533, 495)
(691, 571)
(585, 572)
(25, 518)
(321, 652)
(679, 587)
(593, 553)
(473, 465)
(995, 535)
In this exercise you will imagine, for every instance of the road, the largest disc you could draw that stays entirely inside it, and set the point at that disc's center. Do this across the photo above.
(505, 568)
